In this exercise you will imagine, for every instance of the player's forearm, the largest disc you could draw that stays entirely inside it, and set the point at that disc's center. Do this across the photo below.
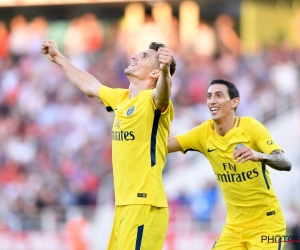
(277, 160)
(163, 90)
(81, 79)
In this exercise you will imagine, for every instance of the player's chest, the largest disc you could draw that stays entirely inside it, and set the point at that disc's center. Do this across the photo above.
(132, 114)
(220, 150)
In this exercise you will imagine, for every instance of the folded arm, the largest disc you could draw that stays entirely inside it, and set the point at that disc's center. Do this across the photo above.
(276, 160)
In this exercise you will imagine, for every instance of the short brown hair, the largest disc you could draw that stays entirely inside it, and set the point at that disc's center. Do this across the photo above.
(155, 46)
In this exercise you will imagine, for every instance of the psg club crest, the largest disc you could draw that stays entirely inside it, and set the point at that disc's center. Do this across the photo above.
(130, 111)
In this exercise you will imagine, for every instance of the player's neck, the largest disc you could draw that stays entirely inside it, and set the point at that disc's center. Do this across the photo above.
(135, 89)
(223, 125)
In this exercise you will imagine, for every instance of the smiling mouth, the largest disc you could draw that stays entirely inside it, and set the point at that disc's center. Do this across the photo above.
(133, 64)
(214, 110)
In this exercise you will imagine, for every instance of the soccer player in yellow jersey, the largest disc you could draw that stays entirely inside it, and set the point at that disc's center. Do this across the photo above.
(239, 150)
(143, 114)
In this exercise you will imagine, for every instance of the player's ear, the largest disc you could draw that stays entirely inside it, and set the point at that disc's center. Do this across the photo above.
(235, 102)
(155, 73)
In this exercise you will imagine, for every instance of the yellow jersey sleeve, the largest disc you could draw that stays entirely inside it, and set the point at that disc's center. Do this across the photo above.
(193, 139)
(110, 96)
(263, 140)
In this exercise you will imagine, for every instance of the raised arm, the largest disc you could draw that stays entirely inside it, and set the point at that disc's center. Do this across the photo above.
(162, 93)
(276, 159)
(173, 145)
(81, 79)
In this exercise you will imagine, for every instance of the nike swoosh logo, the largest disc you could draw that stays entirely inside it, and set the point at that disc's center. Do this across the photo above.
(210, 150)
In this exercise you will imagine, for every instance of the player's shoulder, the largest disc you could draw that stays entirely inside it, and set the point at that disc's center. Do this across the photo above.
(120, 91)
(205, 125)
(145, 94)
(208, 123)
(248, 120)
(147, 91)
(250, 123)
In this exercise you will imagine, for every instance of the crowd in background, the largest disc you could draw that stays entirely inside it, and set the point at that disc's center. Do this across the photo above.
(55, 143)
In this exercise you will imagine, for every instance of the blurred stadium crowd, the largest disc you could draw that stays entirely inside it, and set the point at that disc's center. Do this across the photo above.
(55, 143)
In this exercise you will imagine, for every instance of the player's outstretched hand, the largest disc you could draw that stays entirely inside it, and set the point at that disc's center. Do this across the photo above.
(49, 48)
(165, 56)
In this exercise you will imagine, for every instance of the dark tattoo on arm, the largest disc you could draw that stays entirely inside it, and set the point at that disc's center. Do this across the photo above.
(277, 160)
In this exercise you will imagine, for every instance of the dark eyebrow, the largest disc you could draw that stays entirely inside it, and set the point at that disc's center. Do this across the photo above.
(217, 92)
(145, 54)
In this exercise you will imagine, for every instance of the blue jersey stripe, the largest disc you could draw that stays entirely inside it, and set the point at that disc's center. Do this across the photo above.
(139, 237)
(215, 242)
(153, 137)
(264, 174)
(279, 244)
(109, 109)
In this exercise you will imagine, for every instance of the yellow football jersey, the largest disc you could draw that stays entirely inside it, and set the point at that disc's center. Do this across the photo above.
(246, 187)
(139, 146)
